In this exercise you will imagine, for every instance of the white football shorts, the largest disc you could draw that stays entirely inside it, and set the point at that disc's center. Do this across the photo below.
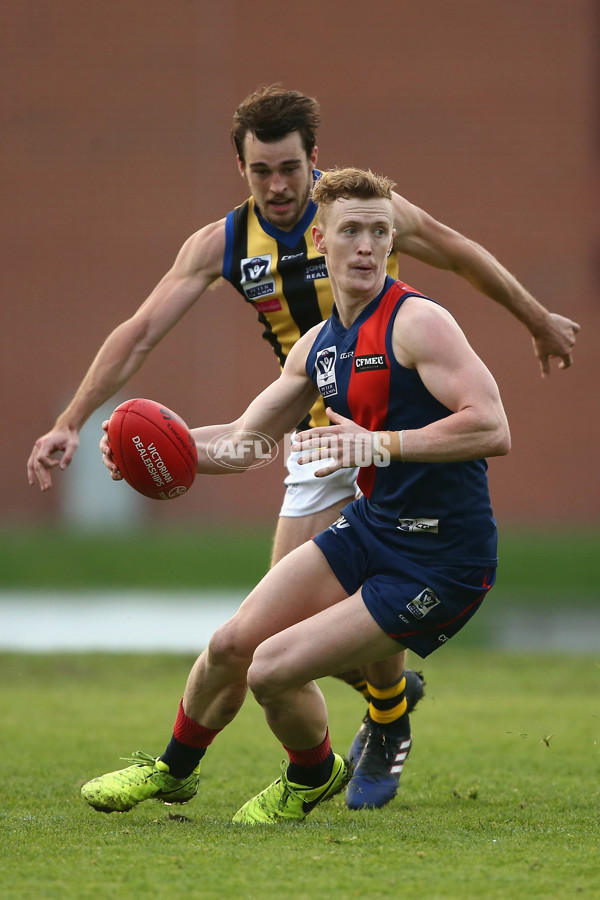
(305, 494)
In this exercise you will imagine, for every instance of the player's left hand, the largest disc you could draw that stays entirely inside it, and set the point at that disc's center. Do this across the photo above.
(107, 457)
(556, 341)
(345, 445)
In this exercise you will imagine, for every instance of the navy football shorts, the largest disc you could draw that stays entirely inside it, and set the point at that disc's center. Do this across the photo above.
(418, 603)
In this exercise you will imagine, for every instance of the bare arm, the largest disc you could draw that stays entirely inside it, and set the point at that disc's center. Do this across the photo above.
(227, 449)
(428, 339)
(425, 338)
(197, 265)
(275, 412)
(421, 236)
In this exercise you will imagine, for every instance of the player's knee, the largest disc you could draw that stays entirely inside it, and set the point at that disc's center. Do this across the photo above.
(228, 646)
(266, 678)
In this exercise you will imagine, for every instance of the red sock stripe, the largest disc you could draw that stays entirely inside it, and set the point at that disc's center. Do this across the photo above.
(186, 731)
(310, 757)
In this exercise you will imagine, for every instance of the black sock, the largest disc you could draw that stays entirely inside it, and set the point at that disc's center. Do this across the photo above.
(399, 728)
(388, 707)
(312, 776)
(181, 758)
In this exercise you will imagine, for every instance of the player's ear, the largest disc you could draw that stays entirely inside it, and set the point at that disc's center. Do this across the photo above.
(392, 244)
(241, 166)
(313, 156)
(318, 239)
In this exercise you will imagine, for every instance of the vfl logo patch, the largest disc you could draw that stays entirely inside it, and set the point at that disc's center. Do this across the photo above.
(256, 267)
(423, 603)
(370, 363)
(325, 369)
(407, 525)
(339, 523)
(256, 278)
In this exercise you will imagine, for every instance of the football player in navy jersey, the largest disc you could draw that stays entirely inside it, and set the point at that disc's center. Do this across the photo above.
(418, 416)
(265, 250)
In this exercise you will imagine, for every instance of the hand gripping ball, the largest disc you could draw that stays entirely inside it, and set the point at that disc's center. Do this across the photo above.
(153, 448)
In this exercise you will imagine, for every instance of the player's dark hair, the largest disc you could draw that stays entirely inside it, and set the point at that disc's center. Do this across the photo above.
(271, 113)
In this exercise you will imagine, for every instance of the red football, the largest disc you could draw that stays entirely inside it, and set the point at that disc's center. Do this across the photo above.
(153, 448)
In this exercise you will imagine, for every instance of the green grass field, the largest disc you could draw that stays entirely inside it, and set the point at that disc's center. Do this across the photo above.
(499, 798)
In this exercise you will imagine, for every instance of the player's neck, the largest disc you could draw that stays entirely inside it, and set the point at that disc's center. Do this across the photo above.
(350, 306)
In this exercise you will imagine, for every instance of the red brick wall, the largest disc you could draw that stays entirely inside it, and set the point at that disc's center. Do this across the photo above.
(116, 147)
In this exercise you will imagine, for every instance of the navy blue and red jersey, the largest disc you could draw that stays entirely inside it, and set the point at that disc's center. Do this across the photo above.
(442, 508)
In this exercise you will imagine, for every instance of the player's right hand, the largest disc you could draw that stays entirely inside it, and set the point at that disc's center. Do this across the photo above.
(345, 445)
(555, 341)
(42, 460)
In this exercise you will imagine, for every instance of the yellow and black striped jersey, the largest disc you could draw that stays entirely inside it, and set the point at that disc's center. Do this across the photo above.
(284, 278)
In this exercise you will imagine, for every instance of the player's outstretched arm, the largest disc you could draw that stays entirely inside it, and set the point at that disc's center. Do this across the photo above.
(225, 449)
(419, 235)
(231, 448)
(198, 264)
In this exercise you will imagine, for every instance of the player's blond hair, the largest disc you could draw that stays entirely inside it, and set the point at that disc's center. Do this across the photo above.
(342, 184)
